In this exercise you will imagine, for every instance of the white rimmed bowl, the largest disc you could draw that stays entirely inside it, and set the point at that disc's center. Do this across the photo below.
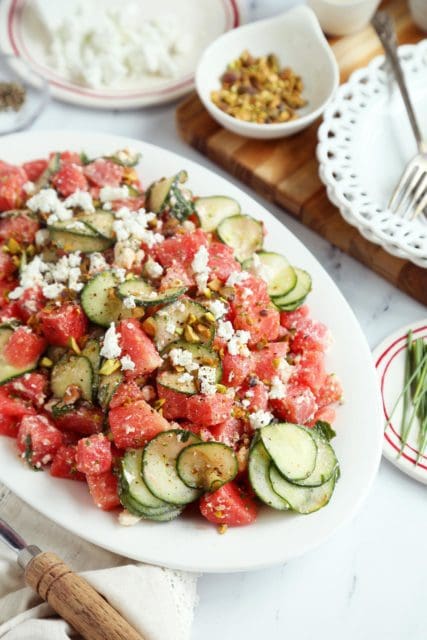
(342, 18)
(297, 39)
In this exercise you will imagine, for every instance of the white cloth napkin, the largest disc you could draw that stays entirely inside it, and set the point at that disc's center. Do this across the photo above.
(158, 602)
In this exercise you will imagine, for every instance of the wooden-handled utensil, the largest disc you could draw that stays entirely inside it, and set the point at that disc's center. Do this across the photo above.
(67, 593)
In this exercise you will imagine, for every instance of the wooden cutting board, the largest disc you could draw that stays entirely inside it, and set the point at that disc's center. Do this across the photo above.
(286, 171)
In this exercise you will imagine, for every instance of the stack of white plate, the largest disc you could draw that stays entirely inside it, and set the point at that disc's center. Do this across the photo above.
(365, 142)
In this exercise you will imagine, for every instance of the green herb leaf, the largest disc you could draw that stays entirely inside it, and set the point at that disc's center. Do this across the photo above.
(325, 430)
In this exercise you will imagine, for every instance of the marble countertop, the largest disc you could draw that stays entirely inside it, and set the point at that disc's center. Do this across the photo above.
(368, 580)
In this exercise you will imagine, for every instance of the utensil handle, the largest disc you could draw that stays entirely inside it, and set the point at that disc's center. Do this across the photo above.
(76, 601)
(383, 25)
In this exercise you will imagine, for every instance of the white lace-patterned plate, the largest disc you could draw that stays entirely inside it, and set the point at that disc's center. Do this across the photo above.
(390, 363)
(365, 142)
(190, 542)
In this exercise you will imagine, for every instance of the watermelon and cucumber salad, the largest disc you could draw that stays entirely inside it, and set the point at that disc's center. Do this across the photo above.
(153, 349)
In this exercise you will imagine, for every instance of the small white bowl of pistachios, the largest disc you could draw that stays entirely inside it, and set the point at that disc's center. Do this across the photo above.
(269, 79)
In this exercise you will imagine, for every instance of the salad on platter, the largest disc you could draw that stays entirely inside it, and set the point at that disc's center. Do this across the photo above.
(152, 348)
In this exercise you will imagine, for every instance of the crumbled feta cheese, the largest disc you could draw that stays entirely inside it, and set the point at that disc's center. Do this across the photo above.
(258, 268)
(110, 348)
(170, 326)
(225, 330)
(127, 519)
(201, 268)
(183, 358)
(80, 199)
(236, 277)
(29, 187)
(127, 363)
(277, 390)
(120, 274)
(97, 263)
(237, 344)
(184, 378)
(132, 225)
(260, 419)
(246, 292)
(108, 194)
(207, 379)
(129, 302)
(285, 369)
(52, 291)
(52, 277)
(153, 269)
(107, 206)
(41, 237)
(189, 226)
(217, 308)
(246, 402)
(47, 201)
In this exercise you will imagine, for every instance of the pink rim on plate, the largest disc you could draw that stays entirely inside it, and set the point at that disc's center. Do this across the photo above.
(12, 40)
(389, 361)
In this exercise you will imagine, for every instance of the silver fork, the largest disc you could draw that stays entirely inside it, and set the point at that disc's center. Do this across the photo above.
(410, 195)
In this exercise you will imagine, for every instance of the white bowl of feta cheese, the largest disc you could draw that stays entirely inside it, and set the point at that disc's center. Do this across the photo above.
(114, 55)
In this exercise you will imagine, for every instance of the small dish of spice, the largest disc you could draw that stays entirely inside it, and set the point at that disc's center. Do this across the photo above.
(23, 94)
(269, 79)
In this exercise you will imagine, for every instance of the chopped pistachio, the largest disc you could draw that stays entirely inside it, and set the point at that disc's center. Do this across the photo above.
(109, 367)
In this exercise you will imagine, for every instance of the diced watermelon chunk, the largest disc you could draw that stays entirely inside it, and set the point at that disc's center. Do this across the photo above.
(23, 348)
(134, 424)
(267, 361)
(34, 168)
(59, 324)
(221, 261)
(69, 179)
(228, 505)
(291, 319)
(126, 393)
(255, 397)
(298, 406)
(104, 490)
(176, 276)
(251, 294)
(31, 386)
(93, 455)
(310, 336)
(22, 227)
(209, 410)
(180, 249)
(311, 370)
(12, 180)
(7, 266)
(325, 414)
(84, 419)
(38, 439)
(229, 432)
(31, 302)
(139, 347)
(175, 405)
(8, 426)
(14, 407)
(330, 392)
(104, 173)
(64, 464)
(263, 325)
(235, 369)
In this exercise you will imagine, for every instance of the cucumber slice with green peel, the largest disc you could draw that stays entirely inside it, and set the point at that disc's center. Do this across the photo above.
(99, 300)
(243, 233)
(179, 381)
(292, 306)
(132, 482)
(86, 243)
(100, 223)
(280, 275)
(8, 371)
(214, 209)
(72, 370)
(292, 449)
(298, 294)
(92, 351)
(145, 295)
(207, 465)
(167, 325)
(302, 499)
(159, 466)
(168, 194)
(107, 386)
(259, 477)
(159, 515)
(326, 463)
(52, 167)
